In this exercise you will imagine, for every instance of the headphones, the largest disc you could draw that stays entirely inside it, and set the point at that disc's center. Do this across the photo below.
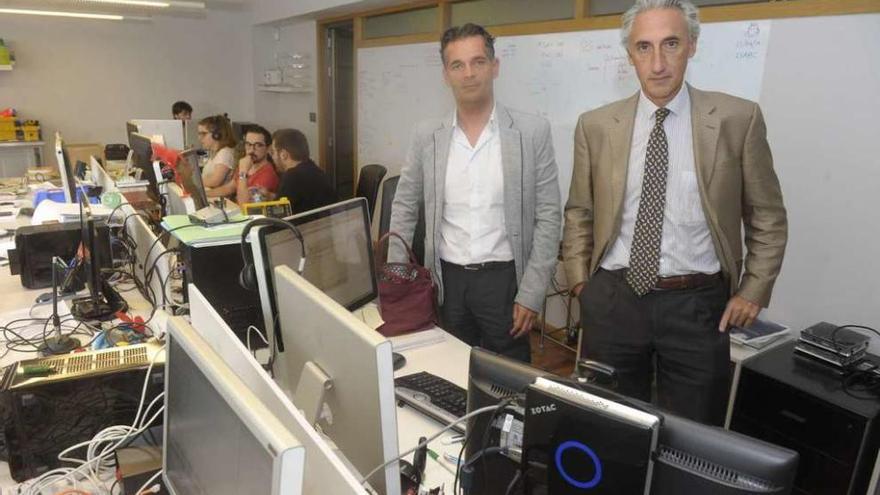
(247, 278)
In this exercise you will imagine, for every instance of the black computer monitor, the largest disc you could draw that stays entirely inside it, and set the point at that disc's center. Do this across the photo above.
(491, 379)
(103, 301)
(142, 158)
(691, 458)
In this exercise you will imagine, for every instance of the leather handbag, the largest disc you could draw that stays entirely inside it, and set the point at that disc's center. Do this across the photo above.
(407, 294)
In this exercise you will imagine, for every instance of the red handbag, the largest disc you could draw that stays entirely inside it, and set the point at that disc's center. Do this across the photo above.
(407, 295)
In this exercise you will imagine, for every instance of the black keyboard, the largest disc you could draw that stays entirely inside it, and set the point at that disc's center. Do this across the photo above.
(433, 396)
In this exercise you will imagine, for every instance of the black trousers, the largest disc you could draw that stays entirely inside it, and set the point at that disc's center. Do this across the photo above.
(674, 331)
(478, 308)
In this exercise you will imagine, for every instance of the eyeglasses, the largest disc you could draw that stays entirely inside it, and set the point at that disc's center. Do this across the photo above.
(254, 145)
(203, 133)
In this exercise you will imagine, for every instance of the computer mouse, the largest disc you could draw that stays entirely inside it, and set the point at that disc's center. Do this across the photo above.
(398, 360)
(26, 211)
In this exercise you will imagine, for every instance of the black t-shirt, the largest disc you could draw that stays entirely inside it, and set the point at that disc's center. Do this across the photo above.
(307, 187)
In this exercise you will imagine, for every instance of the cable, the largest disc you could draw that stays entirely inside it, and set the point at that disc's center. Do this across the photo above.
(153, 489)
(862, 327)
(446, 428)
(503, 404)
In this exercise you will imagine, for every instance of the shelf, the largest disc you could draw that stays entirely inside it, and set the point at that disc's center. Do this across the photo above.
(21, 144)
(6, 67)
(283, 89)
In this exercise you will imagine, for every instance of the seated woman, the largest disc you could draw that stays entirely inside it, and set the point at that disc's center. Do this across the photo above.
(303, 183)
(215, 135)
(257, 180)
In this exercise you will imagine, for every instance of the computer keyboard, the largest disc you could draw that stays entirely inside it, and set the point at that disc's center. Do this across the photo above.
(433, 396)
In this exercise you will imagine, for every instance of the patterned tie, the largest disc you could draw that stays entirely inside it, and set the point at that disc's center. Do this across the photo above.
(644, 258)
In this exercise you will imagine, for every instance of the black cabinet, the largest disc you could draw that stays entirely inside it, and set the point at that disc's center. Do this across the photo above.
(805, 408)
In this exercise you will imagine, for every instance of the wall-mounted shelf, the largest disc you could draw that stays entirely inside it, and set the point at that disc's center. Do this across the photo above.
(6, 67)
(283, 89)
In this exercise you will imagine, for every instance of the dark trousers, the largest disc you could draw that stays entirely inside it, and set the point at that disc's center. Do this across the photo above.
(478, 308)
(675, 331)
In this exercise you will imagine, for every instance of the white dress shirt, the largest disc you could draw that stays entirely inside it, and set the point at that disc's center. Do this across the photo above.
(472, 228)
(686, 246)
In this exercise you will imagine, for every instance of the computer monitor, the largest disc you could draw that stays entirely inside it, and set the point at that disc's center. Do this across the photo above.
(191, 177)
(65, 170)
(152, 269)
(171, 131)
(142, 158)
(339, 256)
(103, 301)
(219, 437)
(691, 458)
(325, 472)
(130, 128)
(335, 365)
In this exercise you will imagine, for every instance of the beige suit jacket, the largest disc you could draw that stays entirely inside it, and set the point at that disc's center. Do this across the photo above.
(739, 190)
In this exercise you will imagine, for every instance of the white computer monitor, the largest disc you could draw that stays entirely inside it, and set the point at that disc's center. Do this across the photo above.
(339, 371)
(326, 473)
(65, 170)
(339, 255)
(172, 131)
(149, 253)
(219, 437)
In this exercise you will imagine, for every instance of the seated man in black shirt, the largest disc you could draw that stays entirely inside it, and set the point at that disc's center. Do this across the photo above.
(303, 183)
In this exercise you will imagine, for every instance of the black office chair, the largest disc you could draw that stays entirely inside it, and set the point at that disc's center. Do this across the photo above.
(369, 179)
(389, 188)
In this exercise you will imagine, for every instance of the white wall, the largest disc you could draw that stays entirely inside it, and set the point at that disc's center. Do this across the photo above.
(277, 110)
(85, 78)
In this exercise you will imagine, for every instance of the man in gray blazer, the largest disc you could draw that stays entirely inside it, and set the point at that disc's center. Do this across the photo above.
(487, 177)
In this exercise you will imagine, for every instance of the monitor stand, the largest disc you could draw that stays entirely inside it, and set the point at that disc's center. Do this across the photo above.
(311, 392)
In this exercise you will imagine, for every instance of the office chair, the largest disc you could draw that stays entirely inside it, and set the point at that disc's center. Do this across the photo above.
(389, 188)
(369, 179)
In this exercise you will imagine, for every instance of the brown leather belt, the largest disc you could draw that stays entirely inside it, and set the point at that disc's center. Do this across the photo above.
(691, 281)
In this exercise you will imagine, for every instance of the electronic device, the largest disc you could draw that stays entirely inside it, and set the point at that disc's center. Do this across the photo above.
(219, 210)
(35, 245)
(340, 256)
(68, 178)
(325, 471)
(690, 458)
(339, 372)
(218, 436)
(186, 194)
(142, 159)
(433, 396)
(172, 131)
(50, 403)
(587, 443)
(57, 343)
(280, 208)
(151, 265)
(831, 423)
(837, 346)
(491, 379)
(103, 302)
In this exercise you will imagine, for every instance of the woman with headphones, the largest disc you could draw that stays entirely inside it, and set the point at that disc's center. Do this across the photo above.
(216, 137)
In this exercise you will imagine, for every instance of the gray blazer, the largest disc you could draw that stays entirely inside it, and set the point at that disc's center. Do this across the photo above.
(532, 210)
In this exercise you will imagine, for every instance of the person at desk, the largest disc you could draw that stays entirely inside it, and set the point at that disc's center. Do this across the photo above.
(487, 177)
(303, 183)
(257, 179)
(215, 135)
(182, 110)
(663, 183)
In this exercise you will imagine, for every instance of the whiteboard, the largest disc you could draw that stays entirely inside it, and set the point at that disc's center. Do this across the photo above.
(558, 76)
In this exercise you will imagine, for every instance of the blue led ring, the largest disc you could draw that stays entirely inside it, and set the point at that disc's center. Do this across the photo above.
(597, 464)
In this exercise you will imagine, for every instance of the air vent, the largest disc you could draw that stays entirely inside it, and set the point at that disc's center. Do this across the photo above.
(81, 363)
(717, 473)
(132, 356)
(501, 392)
(108, 359)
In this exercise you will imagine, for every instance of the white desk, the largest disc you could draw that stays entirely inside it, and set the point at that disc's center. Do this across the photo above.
(448, 359)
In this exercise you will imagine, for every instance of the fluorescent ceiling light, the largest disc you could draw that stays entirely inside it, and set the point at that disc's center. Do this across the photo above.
(52, 13)
(137, 3)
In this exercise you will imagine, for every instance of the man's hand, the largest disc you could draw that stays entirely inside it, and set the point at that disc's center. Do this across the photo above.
(576, 290)
(523, 319)
(740, 312)
(245, 164)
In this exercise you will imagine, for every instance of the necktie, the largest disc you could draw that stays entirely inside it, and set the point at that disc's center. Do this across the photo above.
(644, 258)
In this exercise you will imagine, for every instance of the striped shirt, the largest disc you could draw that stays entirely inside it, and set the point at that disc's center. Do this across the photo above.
(686, 246)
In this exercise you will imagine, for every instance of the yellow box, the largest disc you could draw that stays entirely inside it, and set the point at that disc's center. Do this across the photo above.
(32, 135)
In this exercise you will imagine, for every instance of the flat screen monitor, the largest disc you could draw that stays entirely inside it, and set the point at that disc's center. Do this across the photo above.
(326, 342)
(325, 472)
(339, 256)
(219, 437)
(171, 131)
(142, 158)
(65, 170)
(191, 178)
(690, 458)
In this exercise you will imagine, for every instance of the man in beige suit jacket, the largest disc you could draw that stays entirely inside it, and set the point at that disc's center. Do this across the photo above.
(664, 184)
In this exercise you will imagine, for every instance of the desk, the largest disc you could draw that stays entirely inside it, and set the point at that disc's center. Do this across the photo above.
(448, 359)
